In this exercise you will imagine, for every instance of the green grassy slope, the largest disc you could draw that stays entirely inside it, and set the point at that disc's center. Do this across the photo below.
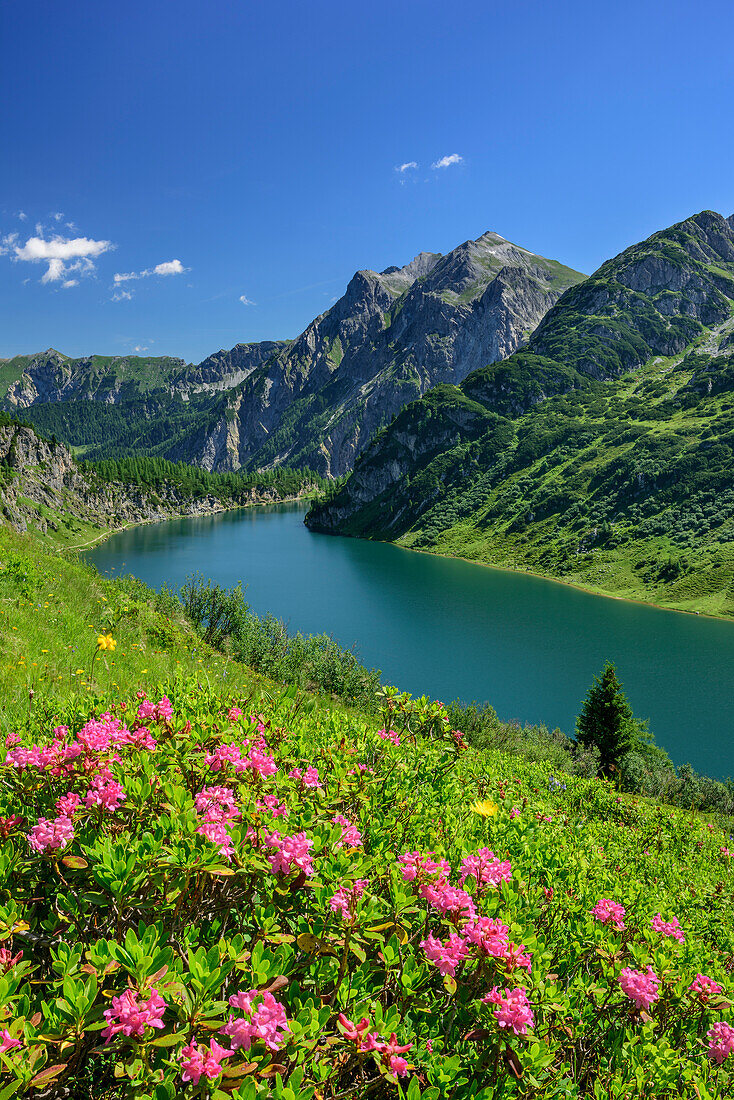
(139, 899)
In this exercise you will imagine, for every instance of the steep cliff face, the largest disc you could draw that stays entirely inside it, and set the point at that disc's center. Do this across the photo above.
(392, 336)
(41, 486)
(481, 454)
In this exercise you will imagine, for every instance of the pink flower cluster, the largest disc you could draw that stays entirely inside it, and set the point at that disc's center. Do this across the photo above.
(8, 959)
(609, 912)
(258, 759)
(389, 1050)
(346, 898)
(234, 713)
(51, 836)
(154, 712)
(670, 928)
(219, 809)
(104, 791)
(309, 779)
(129, 1014)
(202, 1061)
(265, 1022)
(269, 803)
(389, 735)
(415, 866)
(704, 988)
(641, 986)
(721, 1041)
(351, 835)
(511, 1008)
(490, 937)
(484, 866)
(291, 853)
(446, 955)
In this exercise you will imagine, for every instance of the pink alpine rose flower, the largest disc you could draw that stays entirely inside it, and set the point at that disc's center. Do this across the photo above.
(704, 988)
(640, 986)
(266, 1023)
(512, 1008)
(202, 1061)
(668, 927)
(609, 912)
(129, 1014)
(721, 1041)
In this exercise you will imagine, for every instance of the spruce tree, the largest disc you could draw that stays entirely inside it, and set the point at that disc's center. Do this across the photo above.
(606, 722)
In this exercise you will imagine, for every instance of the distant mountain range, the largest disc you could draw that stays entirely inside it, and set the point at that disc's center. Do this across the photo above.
(315, 401)
(602, 452)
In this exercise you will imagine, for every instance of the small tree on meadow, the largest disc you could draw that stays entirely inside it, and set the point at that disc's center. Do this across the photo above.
(606, 722)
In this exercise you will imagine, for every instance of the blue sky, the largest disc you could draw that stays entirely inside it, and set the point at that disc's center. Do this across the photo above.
(239, 159)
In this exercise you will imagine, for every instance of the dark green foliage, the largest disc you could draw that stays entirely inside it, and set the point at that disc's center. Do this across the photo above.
(606, 722)
(236, 487)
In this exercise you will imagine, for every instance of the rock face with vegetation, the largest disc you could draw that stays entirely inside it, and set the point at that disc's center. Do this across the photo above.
(601, 452)
(317, 400)
(390, 337)
(44, 488)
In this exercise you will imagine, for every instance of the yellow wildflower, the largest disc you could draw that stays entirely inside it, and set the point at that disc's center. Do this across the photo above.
(486, 808)
(106, 641)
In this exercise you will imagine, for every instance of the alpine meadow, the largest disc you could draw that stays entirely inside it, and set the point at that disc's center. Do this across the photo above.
(367, 621)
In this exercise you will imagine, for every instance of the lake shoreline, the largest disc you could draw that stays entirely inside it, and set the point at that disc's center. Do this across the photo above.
(434, 625)
(110, 531)
(590, 589)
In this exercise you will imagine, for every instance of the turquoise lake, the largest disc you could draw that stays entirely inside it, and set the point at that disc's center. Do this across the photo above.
(451, 629)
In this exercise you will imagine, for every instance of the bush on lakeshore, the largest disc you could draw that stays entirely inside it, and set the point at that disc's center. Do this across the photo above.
(224, 620)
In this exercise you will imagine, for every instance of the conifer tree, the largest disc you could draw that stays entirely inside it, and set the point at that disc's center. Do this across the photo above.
(606, 722)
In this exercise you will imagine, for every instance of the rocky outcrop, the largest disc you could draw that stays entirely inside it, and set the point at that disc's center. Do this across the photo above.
(44, 488)
(392, 336)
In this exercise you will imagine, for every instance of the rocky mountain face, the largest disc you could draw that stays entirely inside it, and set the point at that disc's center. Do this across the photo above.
(43, 487)
(616, 421)
(315, 401)
(392, 336)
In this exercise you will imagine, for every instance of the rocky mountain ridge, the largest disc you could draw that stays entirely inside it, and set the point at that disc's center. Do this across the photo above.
(314, 401)
(609, 438)
(391, 337)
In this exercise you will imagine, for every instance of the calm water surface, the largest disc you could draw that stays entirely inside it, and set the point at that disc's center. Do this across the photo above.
(451, 629)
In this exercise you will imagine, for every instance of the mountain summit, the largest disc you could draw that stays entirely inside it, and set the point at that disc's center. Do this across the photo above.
(603, 451)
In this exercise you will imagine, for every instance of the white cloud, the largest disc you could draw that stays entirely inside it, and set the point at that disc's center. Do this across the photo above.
(446, 162)
(23, 217)
(69, 283)
(8, 242)
(141, 347)
(404, 167)
(122, 296)
(56, 271)
(58, 251)
(61, 248)
(171, 267)
(246, 301)
(58, 216)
